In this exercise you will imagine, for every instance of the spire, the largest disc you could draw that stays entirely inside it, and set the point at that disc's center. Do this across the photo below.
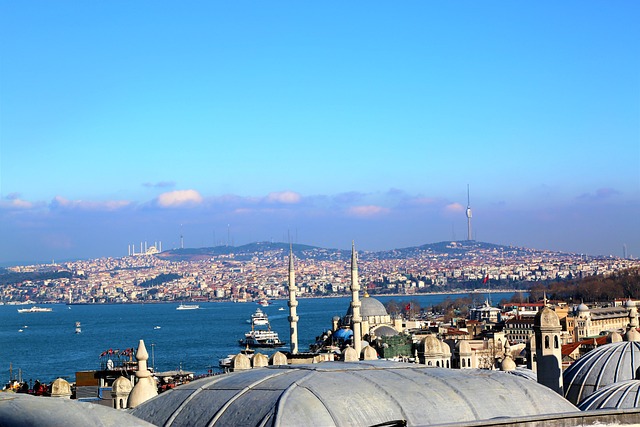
(355, 301)
(293, 304)
(146, 387)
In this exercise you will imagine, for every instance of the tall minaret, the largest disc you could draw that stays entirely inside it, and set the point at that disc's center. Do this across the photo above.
(355, 302)
(293, 303)
(469, 236)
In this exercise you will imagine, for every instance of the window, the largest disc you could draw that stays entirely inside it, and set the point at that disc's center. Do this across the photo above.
(546, 341)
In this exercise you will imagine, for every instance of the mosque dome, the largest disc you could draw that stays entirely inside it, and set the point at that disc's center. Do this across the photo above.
(621, 395)
(583, 307)
(18, 409)
(311, 395)
(343, 334)
(385, 331)
(370, 307)
(605, 365)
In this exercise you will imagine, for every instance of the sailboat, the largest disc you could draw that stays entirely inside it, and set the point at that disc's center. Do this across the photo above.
(78, 329)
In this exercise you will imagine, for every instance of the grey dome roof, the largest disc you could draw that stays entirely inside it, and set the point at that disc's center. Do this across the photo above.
(610, 363)
(17, 409)
(622, 395)
(325, 394)
(385, 331)
(370, 307)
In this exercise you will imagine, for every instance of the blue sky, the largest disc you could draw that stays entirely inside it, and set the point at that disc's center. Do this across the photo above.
(123, 122)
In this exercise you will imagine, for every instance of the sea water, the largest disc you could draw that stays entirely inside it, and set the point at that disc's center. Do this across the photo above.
(192, 340)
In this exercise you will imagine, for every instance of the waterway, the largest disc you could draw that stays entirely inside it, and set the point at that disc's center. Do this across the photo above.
(44, 346)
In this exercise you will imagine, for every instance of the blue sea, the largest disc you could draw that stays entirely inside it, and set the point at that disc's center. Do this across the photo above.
(193, 340)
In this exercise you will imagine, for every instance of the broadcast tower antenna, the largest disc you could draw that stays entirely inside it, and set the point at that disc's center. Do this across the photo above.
(469, 237)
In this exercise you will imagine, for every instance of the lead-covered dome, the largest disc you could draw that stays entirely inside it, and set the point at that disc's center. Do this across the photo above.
(605, 365)
(356, 393)
(369, 307)
(622, 395)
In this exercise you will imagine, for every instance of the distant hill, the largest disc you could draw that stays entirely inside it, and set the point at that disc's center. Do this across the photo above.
(469, 249)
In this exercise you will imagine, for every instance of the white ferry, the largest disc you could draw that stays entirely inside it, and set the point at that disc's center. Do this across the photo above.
(257, 337)
(188, 307)
(259, 318)
(34, 309)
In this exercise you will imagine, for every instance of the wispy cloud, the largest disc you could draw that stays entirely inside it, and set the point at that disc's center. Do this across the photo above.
(14, 202)
(60, 202)
(160, 184)
(367, 211)
(599, 194)
(179, 198)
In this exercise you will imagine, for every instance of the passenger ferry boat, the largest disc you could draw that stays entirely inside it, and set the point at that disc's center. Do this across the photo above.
(188, 307)
(34, 309)
(259, 318)
(258, 337)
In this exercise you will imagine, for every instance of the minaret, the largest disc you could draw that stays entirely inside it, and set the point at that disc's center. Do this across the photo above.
(293, 303)
(469, 237)
(355, 302)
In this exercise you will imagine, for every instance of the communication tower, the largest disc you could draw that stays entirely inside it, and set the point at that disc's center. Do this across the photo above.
(469, 237)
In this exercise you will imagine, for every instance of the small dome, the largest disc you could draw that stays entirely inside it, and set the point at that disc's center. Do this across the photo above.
(60, 387)
(122, 385)
(600, 367)
(463, 347)
(343, 334)
(370, 307)
(629, 303)
(431, 345)
(583, 307)
(546, 318)
(621, 395)
(614, 337)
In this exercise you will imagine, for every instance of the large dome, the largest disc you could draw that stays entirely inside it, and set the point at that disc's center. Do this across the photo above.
(18, 409)
(354, 394)
(622, 395)
(370, 307)
(611, 363)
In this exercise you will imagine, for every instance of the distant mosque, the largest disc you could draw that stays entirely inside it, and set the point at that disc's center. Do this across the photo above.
(354, 387)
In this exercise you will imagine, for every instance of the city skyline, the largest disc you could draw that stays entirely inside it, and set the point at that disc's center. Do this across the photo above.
(379, 123)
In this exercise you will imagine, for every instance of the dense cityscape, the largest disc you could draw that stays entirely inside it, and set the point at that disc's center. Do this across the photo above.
(258, 271)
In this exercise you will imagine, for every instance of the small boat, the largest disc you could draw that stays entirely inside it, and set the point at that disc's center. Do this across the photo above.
(34, 309)
(188, 307)
(281, 309)
(156, 327)
(20, 330)
(263, 303)
(78, 329)
(259, 318)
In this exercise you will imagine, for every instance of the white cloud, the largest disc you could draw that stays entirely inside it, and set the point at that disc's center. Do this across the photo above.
(179, 198)
(286, 197)
(454, 208)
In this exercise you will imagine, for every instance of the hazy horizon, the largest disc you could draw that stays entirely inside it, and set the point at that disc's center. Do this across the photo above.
(126, 122)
